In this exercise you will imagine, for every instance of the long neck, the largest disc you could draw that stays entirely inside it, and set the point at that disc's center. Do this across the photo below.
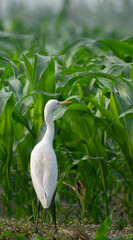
(49, 135)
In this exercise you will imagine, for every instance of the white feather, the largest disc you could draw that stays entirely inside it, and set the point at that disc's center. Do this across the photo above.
(44, 172)
(43, 163)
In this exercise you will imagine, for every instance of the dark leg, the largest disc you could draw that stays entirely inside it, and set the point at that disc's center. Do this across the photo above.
(54, 211)
(37, 216)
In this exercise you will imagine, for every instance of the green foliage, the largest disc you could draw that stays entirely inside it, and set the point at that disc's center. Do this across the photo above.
(103, 230)
(7, 234)
(16, 236)
(129, 237)
(94, 137)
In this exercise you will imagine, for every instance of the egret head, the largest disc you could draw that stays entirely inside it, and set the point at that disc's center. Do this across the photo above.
(52, 105)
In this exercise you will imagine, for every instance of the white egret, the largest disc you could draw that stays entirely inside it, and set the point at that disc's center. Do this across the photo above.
(43, 163)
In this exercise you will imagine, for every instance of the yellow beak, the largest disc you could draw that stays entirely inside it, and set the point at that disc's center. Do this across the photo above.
(64, 103)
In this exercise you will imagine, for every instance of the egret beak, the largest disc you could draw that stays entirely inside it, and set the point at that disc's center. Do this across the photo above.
(64, 103)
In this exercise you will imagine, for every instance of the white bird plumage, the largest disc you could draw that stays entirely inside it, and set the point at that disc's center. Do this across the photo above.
(43, 162)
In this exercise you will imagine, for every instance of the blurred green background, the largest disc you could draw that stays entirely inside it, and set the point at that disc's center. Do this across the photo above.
(61, 22)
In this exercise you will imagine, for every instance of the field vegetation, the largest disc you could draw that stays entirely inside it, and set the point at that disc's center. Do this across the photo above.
(53, 57)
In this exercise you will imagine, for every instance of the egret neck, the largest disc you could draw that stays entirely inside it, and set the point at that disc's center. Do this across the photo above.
(49, 135)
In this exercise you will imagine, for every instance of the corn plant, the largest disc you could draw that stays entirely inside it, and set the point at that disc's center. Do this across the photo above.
(93, 139)
(105, 88)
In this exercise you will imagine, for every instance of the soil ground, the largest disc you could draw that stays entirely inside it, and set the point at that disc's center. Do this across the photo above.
(73, 230)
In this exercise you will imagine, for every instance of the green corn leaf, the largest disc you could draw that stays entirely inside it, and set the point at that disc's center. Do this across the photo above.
(76, 70)
(101, 238)
(78, 107)
(129, 237)
(4, 97)
(39, 237)
(59, 113)
(6, 73)
(7, 197)
(21, 119)
(69, 210)
(19, 212)
(113, 106)
(92, 74)
(36, 92)
(7, 133)
(103, 229)
(68, 86)
(49, 79)
(46, 83)
(103, 110)
(16, 88)
(130, 111)
(3, 152)
(75, 46)
(7, 234)
(49, 94)
(41, 63)
(15, 70)
(118, 47)
(29, 70)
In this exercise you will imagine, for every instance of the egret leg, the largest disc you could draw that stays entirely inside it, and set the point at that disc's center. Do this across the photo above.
(54, 211)
(37, 216)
